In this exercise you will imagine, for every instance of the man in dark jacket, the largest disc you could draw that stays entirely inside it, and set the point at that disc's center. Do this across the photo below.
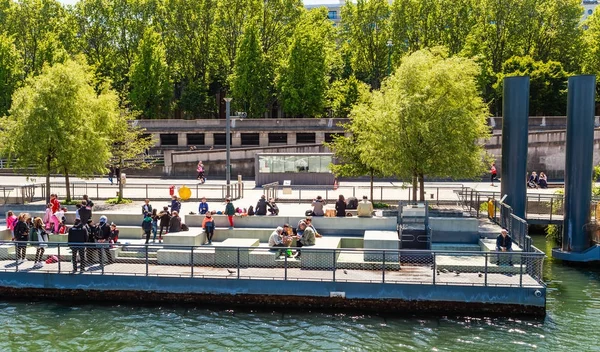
(175, 223)
(175, 204)
(78, 234)
(165, 217)
(146, 208)
(504, 244)
(103, 236)
(85, 212)
(261, 206)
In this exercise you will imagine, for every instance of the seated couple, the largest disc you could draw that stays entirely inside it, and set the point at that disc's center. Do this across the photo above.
(282, 237)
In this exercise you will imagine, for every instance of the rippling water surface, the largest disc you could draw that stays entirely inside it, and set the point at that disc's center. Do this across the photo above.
(572, 324)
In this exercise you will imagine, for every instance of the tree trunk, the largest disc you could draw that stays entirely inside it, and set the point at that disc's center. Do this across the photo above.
(372, 177)
(68, 185)
(422, 186)
(414, 188)
(48, 179)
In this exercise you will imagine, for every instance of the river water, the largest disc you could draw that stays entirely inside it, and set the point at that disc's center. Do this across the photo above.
(572, 324)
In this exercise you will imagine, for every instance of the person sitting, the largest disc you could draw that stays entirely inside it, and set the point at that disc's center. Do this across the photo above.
(310, 224)
(532, 181)
(318, 205)
(504, 244)
(273, 208)
(307, 238)
(278, 240)
(351, 203)
(340, 207)
(175, 223)
(261, 206)
(208, 224)
(543, 181)
(114, 233)
(365, 208)
(203, 207)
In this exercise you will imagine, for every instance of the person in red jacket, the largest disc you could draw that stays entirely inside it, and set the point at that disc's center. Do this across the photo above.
(55, 203)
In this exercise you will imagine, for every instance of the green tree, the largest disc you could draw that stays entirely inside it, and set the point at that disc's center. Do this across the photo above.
(10, 71)
(55, 123)
(427, 120)
(366, 29)
(592, 48)
(151, 86)
(249, 84)
(547, 85)
(303, 77)
(343, 94)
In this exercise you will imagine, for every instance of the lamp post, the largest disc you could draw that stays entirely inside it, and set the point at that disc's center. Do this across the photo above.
(389, 45)
(228, 145)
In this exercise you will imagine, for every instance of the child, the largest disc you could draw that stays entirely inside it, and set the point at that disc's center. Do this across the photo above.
(229, 211)
(155, 218)
(48, 216)
(11, 221)
(208, 224)
(38, 234)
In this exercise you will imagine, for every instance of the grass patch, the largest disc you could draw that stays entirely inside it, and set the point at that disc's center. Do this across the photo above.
(378, 205)
(116, 201)
(72, 202)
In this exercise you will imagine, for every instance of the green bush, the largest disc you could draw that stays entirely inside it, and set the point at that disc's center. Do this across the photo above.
(377, 205)
(553, 233)
(116, 201)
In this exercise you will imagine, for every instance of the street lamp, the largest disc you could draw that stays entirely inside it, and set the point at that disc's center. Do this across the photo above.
(389, 45)
(228, 145)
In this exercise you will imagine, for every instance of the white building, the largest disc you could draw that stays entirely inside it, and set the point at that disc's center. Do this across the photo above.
(334, 8)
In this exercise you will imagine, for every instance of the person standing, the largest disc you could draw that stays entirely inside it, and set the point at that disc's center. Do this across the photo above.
(89, 203)
(118, 174)
(203, 207)
(47, 216)
(200, 170)
(21, 235)
(78, 235)
(146, 208)
(340, 206)
(55, 203)
(11, 221)
(165, 218)
(208, 224)
(104, 238)
(154, 225)
(493, 173)
(229, 211)
(85, 212)
(111, 174)
(175, 204)
(38, 235)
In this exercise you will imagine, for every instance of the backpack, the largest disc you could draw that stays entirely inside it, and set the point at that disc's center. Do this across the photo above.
(184, 227)
(250, 211)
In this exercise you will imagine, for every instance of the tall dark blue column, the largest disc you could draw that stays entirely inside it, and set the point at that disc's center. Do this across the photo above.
(579, 162)
(515, 134)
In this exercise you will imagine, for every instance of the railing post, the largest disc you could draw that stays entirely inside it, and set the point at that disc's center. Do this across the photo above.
(59, 258)
(192, 261)
(477, 206)
(551, 207)
(146, 190)
(438, 196)
(146, 259)
(381, 193)
(383, 269)
(238, 262)
(16, 257)
(101, 254)
(334, 265)
(521, 271)
(434, 268)
(285, 267)
(353, 191)
(485, 280)
(97, 191)
(299, 193)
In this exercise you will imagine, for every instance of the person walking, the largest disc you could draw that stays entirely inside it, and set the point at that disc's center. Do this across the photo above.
(38, 235)
(111, 174)
(200, 170)
(229, 211)
(208, 224)
(493, 173)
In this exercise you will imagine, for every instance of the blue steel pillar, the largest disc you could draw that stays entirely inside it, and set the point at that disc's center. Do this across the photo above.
(579, 162)
(515, 133)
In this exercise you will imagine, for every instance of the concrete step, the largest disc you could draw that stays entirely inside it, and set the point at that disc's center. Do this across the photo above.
(128, 254)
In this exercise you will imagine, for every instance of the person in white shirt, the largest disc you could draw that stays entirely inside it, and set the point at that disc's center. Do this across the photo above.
(365, 208)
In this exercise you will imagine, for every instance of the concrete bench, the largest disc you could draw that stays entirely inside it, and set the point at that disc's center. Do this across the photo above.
(203, 256)
(381, 240)
(489, 245)
(185, 238)
(5, 235)
(229, 256)
(262, 234)
(317, 256)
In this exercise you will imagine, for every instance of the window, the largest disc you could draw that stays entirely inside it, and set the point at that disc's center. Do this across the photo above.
(168, 139)
(305, 138)
(250, 139)
(294, 163)
(195, 139)
(329, 137)
(277, 138)
(332, 15)
(220, 139)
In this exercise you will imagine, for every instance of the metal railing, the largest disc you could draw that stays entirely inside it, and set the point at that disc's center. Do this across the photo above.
(428, 267)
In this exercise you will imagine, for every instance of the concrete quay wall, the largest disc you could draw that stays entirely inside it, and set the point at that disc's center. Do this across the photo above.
(245, 293)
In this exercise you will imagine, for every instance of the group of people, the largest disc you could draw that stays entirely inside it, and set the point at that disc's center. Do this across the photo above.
(103, 232)
(537, 181)
(282, 238)
(166, 221)
(24, 229)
